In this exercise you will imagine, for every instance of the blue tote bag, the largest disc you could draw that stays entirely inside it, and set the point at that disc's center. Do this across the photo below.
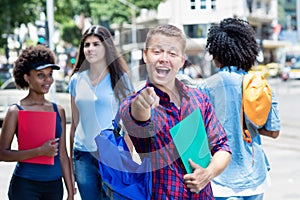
(122, 177)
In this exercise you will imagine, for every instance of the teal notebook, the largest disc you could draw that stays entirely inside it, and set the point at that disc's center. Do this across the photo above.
(190, 139)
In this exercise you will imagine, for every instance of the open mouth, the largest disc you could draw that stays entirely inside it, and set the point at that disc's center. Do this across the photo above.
(162, 71)
(46, 86)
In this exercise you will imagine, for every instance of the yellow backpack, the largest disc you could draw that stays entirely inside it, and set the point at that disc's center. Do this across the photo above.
(256, 102)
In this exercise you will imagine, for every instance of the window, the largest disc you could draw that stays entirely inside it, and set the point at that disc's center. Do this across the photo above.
(258, 5)
(268, 8)
(213, 4)
(193, 7)
(203, 4)
(196, 30)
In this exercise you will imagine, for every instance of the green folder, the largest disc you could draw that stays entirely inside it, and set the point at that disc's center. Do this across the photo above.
(190, 139)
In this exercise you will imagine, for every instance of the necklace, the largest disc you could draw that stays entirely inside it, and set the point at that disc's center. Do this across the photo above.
(95, 79)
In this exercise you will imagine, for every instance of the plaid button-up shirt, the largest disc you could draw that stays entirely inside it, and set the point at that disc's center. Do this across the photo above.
(168, 169)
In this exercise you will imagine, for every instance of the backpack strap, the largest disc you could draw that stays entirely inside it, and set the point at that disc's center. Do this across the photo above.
(118, 127)
(116, 124)
(246, 134)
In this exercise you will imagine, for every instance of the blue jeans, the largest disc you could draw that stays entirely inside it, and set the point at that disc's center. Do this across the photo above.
(87, 176)
(253, 197)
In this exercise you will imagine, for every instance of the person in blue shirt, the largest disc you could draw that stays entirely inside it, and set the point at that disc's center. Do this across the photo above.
(98, 84)
(234, 49)
(33, 70)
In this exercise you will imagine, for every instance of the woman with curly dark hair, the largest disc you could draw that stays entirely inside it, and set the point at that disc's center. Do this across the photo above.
(233, 47)
(98, 84)
(31, 180)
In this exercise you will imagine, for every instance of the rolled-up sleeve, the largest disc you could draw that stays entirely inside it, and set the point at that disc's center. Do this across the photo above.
(273, 121)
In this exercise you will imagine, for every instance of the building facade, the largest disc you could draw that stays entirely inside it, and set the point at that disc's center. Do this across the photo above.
(196, 16)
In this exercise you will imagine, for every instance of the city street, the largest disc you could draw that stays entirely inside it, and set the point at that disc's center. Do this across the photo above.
(283, 152)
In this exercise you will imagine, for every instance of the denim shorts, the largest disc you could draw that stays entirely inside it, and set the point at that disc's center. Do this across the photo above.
(86, 173)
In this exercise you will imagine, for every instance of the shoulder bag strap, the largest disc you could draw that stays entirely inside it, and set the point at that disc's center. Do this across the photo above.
(246, 134)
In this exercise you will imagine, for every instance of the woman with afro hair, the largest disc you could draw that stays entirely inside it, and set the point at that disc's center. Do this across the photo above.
(233, 47)
(33, 71)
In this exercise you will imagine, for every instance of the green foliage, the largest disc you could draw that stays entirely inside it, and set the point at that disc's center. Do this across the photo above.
(29, 42)
(116, 11)
(71, 33)
(63, 11)
(15, 12)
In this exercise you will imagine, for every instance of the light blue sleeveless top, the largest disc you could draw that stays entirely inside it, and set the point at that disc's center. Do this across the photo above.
(97, 106)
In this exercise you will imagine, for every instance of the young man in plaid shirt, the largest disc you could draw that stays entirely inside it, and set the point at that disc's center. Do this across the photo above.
(163, 102)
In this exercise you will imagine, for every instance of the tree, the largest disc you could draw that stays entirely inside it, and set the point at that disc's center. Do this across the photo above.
(104, 12)
(14, 13)
(117, 12)
(71, 33)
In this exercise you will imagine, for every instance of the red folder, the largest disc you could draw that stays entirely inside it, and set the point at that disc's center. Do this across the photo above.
(34, 129)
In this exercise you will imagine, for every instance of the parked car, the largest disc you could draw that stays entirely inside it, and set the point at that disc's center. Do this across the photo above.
(9, 94)
(291, 71)
(4, 75)
(273, 69)
(294, 71)
(261, 68)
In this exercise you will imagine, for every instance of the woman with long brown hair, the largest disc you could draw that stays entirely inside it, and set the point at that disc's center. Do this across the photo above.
(98, 84)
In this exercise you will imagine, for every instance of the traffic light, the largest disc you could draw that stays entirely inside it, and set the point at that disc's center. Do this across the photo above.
(72, 53)
(41, 39)
(72, 60)
(42, 32)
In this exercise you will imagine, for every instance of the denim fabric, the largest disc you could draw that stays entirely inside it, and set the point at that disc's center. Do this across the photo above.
(249, 165)
(253, 197)
(87, 176)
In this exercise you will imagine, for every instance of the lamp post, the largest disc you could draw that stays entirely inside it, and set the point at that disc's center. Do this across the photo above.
(298, 18)
(50, 24)
(134, 51)
(133, 8)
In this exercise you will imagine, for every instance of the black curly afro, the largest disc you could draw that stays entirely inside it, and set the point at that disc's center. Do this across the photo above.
(29, 57)
(233, 43)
